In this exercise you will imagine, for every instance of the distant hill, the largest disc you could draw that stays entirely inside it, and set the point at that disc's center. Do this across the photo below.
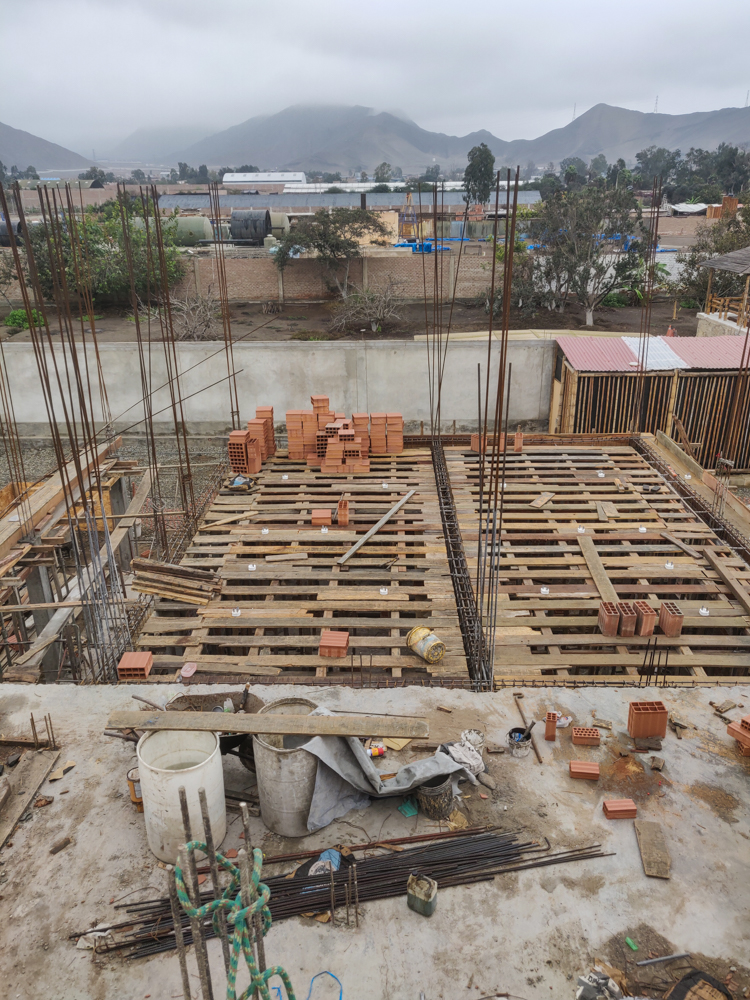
(22, 149)
(154, 145)
(333, 137)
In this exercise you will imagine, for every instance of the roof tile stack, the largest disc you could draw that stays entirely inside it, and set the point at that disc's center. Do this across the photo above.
(333, 643)
(620, 809)
(583, 736)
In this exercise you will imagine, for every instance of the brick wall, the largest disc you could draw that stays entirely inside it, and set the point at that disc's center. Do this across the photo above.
(256, 279)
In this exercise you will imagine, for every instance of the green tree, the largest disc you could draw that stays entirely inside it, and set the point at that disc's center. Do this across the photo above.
(598, 166)
(383, 173)
(713, 240)
(657, 162)
(335, 238)
(573, 172)
(138, 176)
(97, 174)
(479, 174)
(581, 250)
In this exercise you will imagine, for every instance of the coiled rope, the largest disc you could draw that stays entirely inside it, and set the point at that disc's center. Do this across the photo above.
(241, 917)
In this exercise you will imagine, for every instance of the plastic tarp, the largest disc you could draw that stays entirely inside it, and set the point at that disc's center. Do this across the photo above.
(347, 778)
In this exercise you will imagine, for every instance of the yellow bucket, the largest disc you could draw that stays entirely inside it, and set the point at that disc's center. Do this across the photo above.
(426, 644)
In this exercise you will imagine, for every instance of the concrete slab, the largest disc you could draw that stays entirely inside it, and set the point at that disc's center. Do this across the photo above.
(529, 933)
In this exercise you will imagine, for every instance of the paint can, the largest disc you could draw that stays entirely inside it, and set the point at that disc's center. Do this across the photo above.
(426, 644)
(435, 797)
(519, 747)
(134, 784)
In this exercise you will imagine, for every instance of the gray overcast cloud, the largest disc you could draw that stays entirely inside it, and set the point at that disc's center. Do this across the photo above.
(86, 73)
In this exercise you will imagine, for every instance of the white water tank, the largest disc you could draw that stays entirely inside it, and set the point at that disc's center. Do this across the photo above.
(168, 760)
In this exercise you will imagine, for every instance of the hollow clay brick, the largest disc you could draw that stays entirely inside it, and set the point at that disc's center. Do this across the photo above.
(135, 666)
(584, 736)
(321, 515)
(609, 618)
(627, 618)
(745, 722)
(647, 718)
(518, 441)
(333, 643)
(475, 442)
(343, 513)
(742, 736)
(620, 809)
(583, 769)
(646, 618)
(550, 726)
(670, 619)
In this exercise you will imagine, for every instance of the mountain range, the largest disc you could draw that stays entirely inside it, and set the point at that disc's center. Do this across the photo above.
(353, 138)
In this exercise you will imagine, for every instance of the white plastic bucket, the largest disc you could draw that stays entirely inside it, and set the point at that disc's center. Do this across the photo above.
(286, 778)
(168, 760)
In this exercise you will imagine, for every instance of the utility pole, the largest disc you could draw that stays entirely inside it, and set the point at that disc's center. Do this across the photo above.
(656, 104)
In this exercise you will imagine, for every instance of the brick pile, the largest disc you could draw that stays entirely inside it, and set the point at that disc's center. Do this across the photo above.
(245, 453)
(333, 643)
(265, 413)
(394, 433)
(361, 425)
(327, 439)
(378, 443)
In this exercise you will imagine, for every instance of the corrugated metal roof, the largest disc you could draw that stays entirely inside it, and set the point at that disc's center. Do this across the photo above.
(709, 352)
(597, 354)
(659, 356)
(620, 354)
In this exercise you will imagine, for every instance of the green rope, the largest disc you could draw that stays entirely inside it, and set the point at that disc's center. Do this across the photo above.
(241, 917)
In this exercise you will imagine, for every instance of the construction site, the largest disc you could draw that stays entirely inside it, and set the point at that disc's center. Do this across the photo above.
(465, 611)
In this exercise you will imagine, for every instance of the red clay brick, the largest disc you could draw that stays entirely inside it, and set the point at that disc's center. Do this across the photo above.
(609, 618)
(550, 726)
(646, 618)
(742, 736)
(475, 443)
(620, 809)
(584, 736)
(518, 441)
(670, 619)
(320, 516)
(135, 666)
(343, 513)
(333, 643)
(583, 769)
(627, 618)
(647, 718)
(745, 722)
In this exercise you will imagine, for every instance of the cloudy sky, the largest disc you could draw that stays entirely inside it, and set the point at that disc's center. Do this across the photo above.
(86, 73)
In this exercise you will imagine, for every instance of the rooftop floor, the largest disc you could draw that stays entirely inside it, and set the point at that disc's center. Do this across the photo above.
(529, 933)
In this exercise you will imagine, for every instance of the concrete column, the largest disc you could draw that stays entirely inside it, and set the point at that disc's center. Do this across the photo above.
(364, 273)
(40, 592)
(119, 498)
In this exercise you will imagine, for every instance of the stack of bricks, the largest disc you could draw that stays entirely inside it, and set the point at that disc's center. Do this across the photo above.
(333, 643)
(378, 442)
(322, 411)
(265, 413)
(245, 454)
(295, 434)
(620, 809)
(343, 449)
(394, 433)
(740, 731)
(361, 425)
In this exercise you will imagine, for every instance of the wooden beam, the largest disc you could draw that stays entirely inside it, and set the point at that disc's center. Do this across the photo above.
(598, 573)
(49, 496)
(25, 780)
(404, 727)
(729, 577)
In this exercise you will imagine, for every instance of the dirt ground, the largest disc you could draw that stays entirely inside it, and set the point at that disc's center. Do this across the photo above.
(312, 321)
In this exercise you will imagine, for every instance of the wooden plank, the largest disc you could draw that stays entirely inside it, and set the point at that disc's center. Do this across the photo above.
(267, 724)
(729, 577)
(394, 510)
(653, 847)
(688, 549)
(25, 780)
(542, 500)
(597, 570)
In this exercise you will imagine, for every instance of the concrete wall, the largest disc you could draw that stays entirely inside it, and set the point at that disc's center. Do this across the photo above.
(712, 326)
(358, 377)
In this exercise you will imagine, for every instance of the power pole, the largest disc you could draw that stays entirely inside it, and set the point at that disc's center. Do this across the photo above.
(656, 104)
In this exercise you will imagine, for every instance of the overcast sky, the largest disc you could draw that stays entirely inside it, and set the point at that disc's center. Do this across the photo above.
(86, 73)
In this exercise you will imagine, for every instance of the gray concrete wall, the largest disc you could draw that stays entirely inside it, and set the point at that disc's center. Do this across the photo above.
(712, 326)
(357, 376)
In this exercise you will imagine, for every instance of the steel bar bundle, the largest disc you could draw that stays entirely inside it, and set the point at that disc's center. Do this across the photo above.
(461, 858)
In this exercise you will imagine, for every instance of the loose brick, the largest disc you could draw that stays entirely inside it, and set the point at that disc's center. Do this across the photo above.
(647, 718)
(628, 618)
(135, 666)
(620, 809)
(609, 618)
(584, 736)
(735, 730)
(583, 769)
(670, 619)
(320, 516)
(550, 726)
(333, 643)
(646, 618)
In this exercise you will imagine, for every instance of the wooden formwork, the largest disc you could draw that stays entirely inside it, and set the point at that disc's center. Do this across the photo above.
(284, 605)
(543, 637)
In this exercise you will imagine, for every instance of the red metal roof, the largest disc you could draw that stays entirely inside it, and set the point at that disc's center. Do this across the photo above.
(597, 354)
(612, 354)
(709, 352)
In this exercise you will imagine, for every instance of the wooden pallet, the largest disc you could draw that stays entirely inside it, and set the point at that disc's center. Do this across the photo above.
(556, 636)
(284, 605)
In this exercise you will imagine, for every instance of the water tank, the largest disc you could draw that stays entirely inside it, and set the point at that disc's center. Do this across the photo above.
(280, 224)
(185, 230)
(250, 224)
(6, 229)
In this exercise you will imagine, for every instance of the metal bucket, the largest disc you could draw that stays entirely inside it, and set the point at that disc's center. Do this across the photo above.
(286, 777)
(518, 747)
(435, 798)
(426, 644)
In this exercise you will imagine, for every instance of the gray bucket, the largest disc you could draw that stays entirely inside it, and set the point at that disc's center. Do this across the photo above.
(286, 777)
